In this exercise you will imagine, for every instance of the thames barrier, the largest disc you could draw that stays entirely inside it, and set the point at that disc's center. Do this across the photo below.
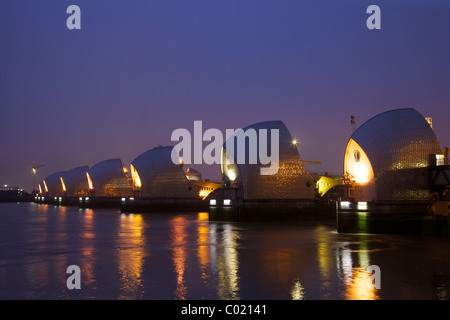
(395, 179)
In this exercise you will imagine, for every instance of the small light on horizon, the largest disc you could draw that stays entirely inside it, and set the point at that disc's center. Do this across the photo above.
(295, 142)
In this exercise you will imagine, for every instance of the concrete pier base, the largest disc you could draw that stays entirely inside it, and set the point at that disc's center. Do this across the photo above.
(163, 205)
(271, 210)
(398, 218)
(91, 203)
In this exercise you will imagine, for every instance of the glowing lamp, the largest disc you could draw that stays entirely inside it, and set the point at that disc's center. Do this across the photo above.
(231, 175)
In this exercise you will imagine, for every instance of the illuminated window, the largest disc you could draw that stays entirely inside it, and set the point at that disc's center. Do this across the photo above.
(346, 205)
(362, 205)
(440, 160)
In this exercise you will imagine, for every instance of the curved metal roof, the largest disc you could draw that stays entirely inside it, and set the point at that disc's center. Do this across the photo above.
(109, 179)
(398, 143)
(76, 182)
(53, 183)
(397, 139)
(160, 177)
(291, 181)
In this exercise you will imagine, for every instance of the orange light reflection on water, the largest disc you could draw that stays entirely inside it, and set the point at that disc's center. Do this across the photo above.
(358, 282)
(131, 253)
(203, 244)
(178, 245)
(360, 286)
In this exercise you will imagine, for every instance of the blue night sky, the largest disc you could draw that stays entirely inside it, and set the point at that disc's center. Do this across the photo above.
(137, 70)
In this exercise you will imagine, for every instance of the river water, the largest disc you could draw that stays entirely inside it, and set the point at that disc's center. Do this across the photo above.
(186, 256)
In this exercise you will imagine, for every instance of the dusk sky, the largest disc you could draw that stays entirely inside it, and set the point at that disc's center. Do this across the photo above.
(138, 70)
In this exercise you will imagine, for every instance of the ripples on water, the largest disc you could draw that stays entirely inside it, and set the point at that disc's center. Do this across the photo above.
(185, 256)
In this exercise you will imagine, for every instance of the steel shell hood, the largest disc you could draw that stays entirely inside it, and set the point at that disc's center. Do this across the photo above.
(109, 179)
(157, 176)
(75, 181)
(54, 185)
(291, 180)
(399, 145)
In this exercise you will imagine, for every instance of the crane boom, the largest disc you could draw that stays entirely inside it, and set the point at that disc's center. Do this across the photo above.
(36, 166)
(33, 169)
(353, 123)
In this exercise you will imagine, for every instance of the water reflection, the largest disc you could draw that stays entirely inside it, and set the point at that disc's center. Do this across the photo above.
(203, 246)
(178, 246)
(37, 274)
(88, 248)
(131, 252)
(194, 258)
(325, 253)
(225, 260)
(441, 288)
(358, 284)
(61, 243)
(297, 292)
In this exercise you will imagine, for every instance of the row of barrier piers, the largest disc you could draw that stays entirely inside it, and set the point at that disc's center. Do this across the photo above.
(128, 204)
(349, 217)
(231, 209)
